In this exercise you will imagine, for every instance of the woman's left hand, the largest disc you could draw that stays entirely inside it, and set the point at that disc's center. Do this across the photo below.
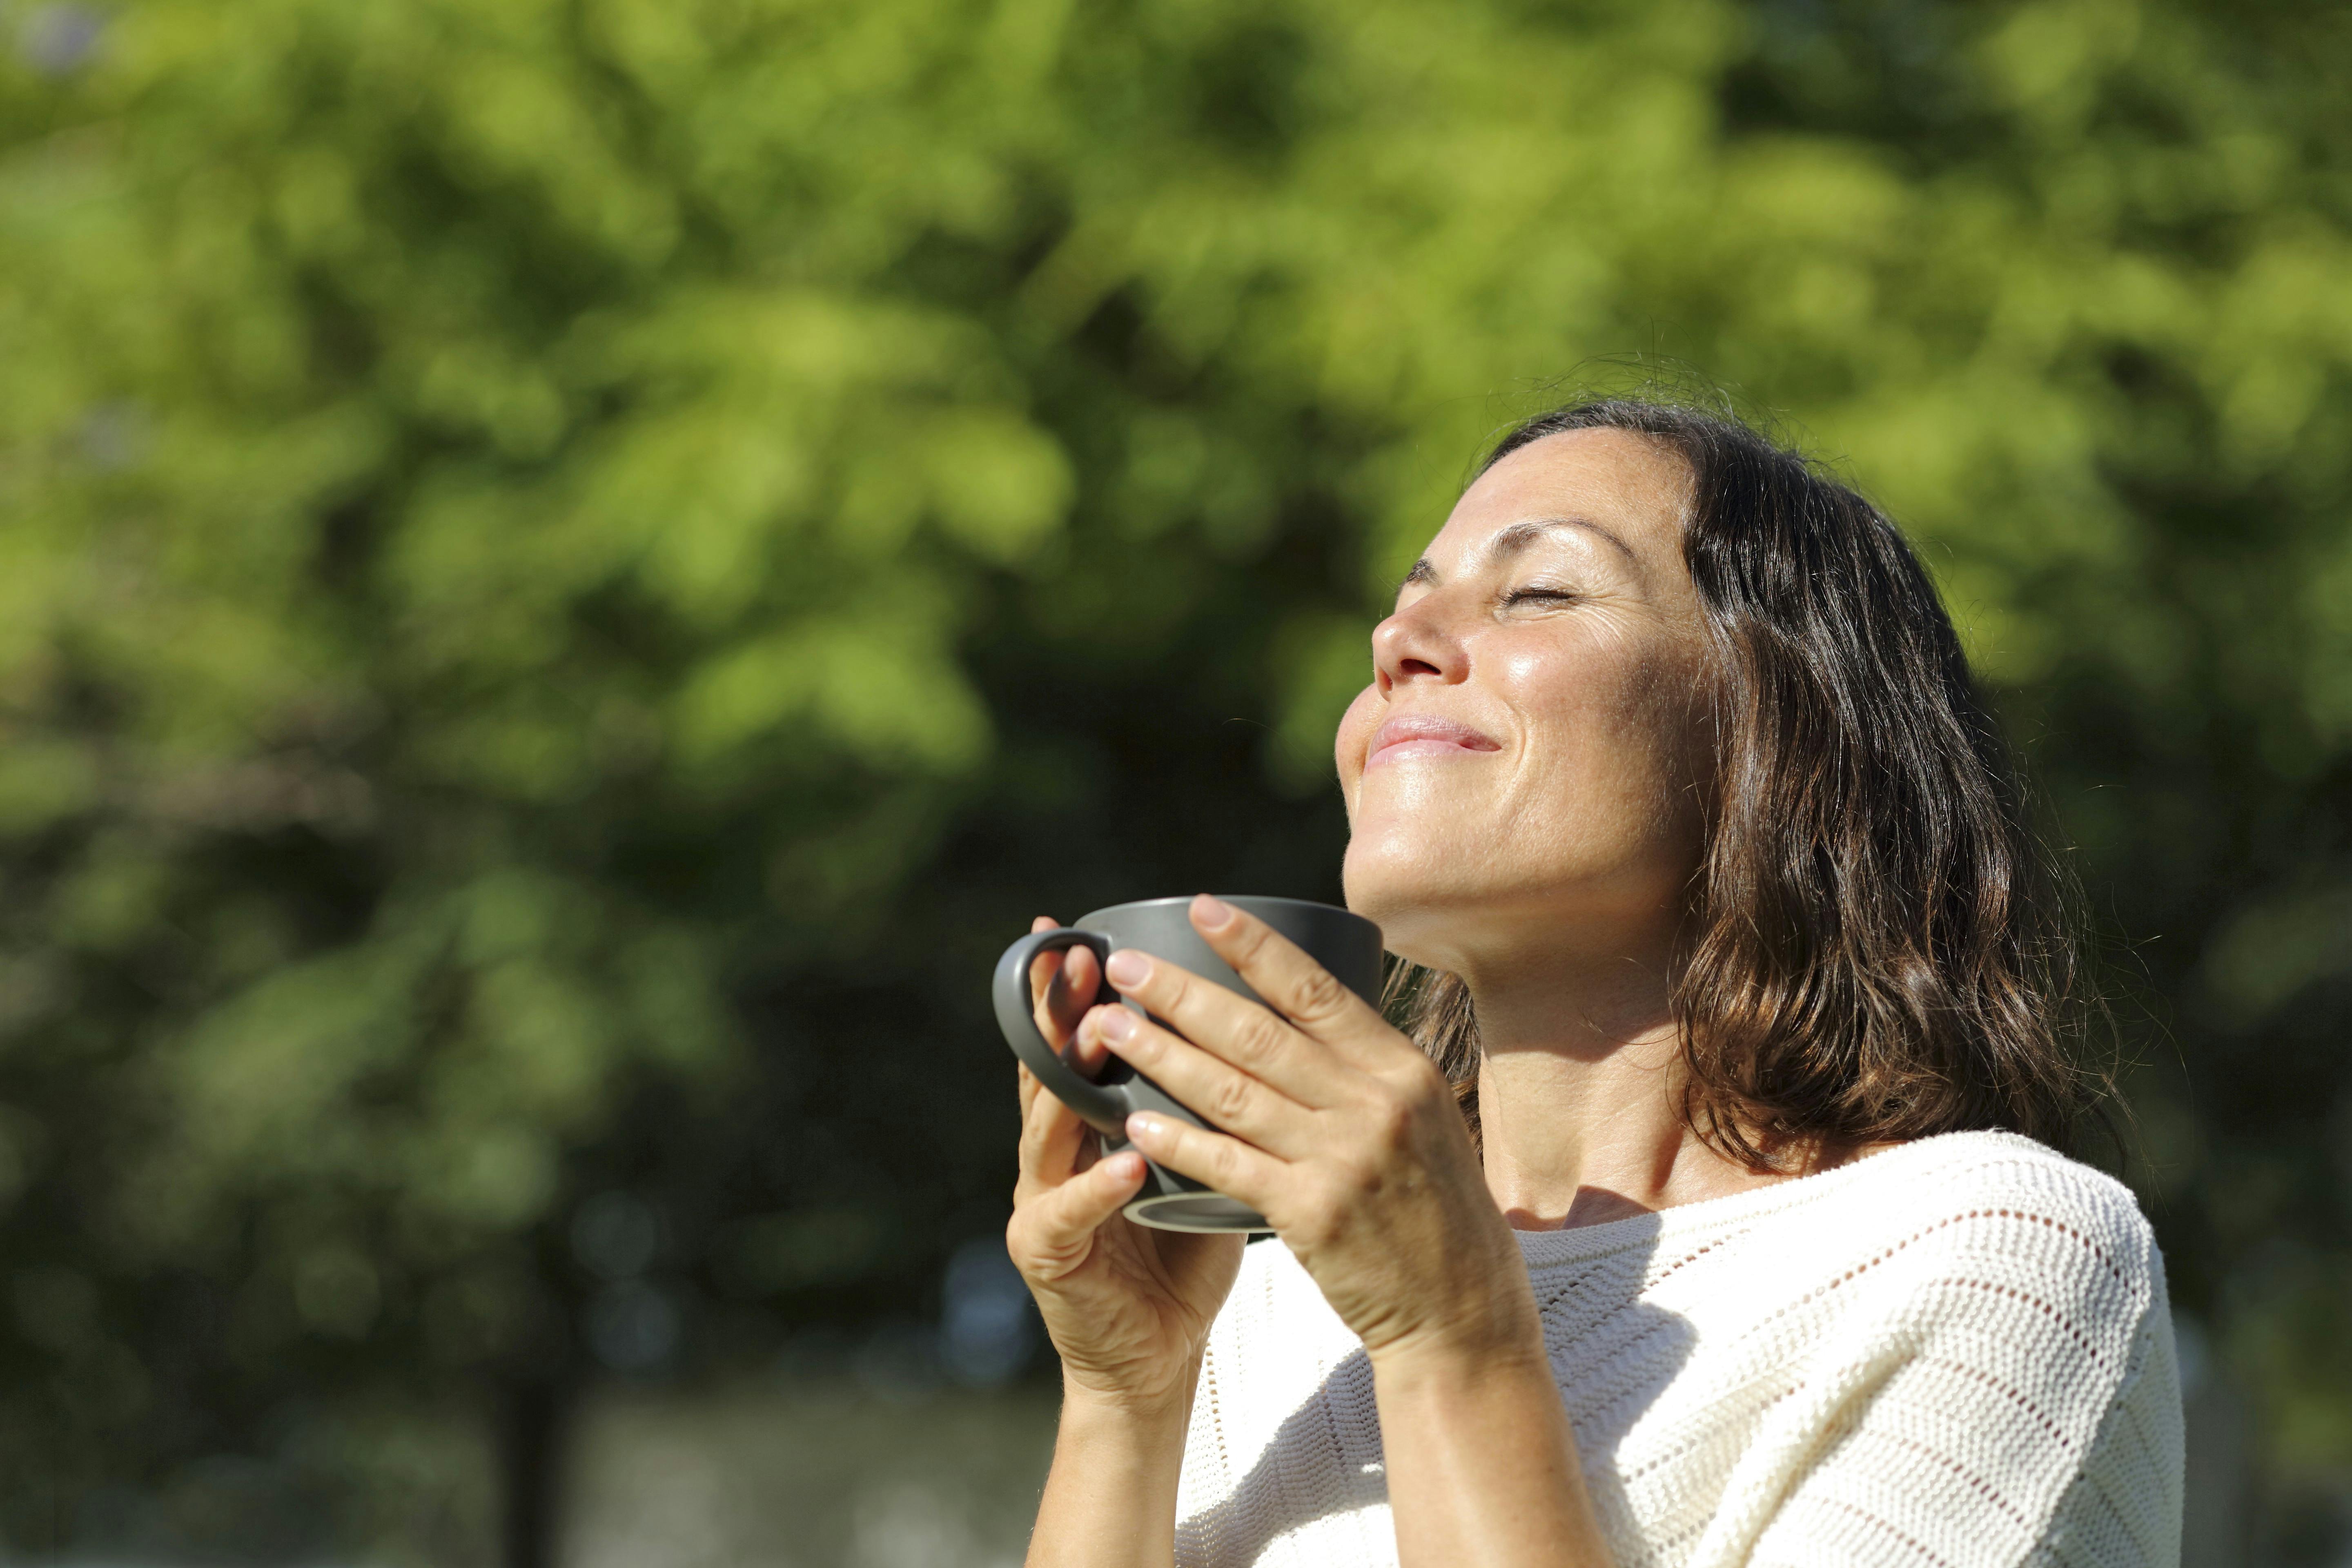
(1334, 1126)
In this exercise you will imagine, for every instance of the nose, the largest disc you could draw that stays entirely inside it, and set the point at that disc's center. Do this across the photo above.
(1413, 644)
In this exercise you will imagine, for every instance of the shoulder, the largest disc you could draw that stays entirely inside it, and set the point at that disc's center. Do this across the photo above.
(1994, 1163)
(1926, 1204)
(1995, 1312)
(1998, 1193)
(1963, 1235)
(1995, 1250)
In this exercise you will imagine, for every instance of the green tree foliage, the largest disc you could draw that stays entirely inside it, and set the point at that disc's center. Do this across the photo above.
(573, 567)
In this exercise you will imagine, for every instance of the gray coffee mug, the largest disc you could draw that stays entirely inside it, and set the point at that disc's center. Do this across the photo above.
(1346, 945)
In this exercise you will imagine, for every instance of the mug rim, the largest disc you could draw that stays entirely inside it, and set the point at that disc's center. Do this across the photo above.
(1241, 900)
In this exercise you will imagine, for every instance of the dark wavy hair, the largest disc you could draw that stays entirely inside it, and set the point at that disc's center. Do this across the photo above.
(1876, 946)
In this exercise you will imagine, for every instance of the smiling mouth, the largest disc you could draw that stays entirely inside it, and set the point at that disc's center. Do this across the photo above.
(1425, 735)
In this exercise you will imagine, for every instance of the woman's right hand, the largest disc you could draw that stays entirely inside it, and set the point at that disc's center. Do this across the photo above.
(1128, 1307)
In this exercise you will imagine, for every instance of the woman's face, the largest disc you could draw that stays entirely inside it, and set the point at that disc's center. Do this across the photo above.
(1523, 770)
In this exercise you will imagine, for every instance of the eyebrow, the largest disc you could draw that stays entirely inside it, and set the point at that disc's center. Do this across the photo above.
(1510, 540)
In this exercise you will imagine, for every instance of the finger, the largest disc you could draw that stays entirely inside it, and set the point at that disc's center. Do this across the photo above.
(1052, 1234)
(1043, 969)
(1052, 1143)
(1062, 986)
(1301, 990)
(1059, 1013)
(1230, 1098)
(1072, 991)
(1235, 1030)
(1029, 1092)
(1233, 1168)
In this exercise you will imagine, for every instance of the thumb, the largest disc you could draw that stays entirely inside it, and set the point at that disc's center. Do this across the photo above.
(1051, 1236)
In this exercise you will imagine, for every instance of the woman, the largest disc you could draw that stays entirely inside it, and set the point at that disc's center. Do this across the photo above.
(1707, 1214)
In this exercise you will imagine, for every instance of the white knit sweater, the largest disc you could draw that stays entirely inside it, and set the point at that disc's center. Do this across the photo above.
(1956, 1353)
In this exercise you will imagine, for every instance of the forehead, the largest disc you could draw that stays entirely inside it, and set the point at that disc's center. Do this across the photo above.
(1636, 488)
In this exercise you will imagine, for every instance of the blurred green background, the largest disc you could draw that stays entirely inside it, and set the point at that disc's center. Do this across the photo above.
(572, 569)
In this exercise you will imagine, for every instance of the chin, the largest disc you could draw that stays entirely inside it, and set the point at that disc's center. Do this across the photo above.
(1416, 902)
(1443, 903)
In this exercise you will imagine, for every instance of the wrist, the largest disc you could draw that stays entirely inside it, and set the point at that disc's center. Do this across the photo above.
(1482, 1457)
(1504, 1339)
(1483, 1329)
(1110, 1497)
(1114, 1408)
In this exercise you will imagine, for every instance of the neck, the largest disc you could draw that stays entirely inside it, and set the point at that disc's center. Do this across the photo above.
(1577, 1100)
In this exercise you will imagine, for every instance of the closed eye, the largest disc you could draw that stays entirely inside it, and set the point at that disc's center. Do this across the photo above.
(1536, 596)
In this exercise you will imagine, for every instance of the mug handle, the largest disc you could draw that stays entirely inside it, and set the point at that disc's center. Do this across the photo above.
(1102, 1106)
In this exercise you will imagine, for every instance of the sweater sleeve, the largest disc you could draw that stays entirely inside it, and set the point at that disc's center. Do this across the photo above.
(2016, 1401)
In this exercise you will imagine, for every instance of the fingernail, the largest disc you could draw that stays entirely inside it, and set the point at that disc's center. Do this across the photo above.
(1142, 1124)
(1209, 913)
(1128, 968)
(1114, 1022)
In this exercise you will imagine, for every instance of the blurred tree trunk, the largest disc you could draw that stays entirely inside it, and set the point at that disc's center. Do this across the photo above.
(534, 1419)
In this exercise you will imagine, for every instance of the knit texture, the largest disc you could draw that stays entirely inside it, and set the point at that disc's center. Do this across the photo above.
(1953, 1353)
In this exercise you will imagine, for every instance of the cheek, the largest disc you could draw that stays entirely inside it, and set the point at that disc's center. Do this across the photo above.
(1614, 753)
(1614, 702)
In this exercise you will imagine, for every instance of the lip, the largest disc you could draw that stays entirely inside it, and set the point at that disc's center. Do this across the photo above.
(1404, 735)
